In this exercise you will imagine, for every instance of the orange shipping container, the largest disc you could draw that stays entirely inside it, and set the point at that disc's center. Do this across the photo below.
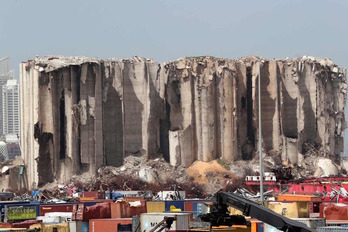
(107, 225)
(5, 225)
(295, 197)
(254, 226)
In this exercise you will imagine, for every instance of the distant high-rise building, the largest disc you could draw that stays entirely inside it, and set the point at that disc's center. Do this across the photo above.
(10, 106)
(13, 147)
(5, 75)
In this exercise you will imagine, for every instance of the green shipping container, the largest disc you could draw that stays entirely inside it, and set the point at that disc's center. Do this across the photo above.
(17, 213)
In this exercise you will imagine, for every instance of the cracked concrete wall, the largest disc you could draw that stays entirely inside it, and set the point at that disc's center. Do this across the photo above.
(84, 113)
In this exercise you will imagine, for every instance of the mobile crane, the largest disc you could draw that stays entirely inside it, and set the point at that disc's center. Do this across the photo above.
(219, 214)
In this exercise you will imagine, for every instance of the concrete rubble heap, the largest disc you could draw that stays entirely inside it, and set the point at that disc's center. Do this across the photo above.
(83, 113)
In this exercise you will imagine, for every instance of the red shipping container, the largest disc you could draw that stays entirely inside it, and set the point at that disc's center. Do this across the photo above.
(119, 209)
(82, 213)
(334, 211)
(77, 214)
(93, 195)
(188, 206)
(26, 224)
(123, 209)
(107, 225)
(65, 208)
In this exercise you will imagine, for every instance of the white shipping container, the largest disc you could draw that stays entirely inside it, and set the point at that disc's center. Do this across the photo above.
(65, 215)
(150, 220)
(51, 220)
(167, 195)
(332, 229)
(269, 228)
(312, 223)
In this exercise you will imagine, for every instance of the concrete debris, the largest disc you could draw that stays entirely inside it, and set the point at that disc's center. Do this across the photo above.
(86, 113)
(11, 176)
(268, 195)
(325, 167)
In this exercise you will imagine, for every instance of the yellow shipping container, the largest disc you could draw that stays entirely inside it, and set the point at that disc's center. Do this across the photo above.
(287, 209)
(155, 206)
(303, 209)
(62, 227)
(36, 226)
(230, 229)
(234, 211)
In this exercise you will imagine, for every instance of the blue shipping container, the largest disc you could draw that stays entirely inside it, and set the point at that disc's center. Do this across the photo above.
(177, 204)
(260, 227)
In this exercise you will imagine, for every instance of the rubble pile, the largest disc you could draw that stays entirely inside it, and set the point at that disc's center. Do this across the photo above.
(87, 113)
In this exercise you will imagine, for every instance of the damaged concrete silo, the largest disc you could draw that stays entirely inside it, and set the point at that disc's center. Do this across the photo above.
(82, 113)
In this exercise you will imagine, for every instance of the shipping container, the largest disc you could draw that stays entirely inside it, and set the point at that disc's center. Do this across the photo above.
(124, 228)
(135, 198)
(77, 213)
(25, 224)
(47, 208)
(82, 213)
(255, 225)
(287, 209)
(107, 225)
(150, 220)
(37, 226)
(312, 223)
(296, 197)
(191, 205)
(334, 211)
(332, 229)
(5, 225)
(136, 223)
(269, 228)
(51, 220)
(93, 195)
(170, 195)
(177, 204)
(62, 227)
(203, 207)
(313, 202)
(343, 223)
(229, 229)
(20, 212)
(260, 227)
(4, 203)
(123, 209)
(155, 206)
(188, 206)
(78, 226)
(14, 229)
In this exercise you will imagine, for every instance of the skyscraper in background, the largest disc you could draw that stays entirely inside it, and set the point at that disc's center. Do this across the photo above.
(5, 75)
(10, 106)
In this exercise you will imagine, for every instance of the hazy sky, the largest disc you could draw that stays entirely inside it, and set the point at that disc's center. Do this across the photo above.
(167, 30)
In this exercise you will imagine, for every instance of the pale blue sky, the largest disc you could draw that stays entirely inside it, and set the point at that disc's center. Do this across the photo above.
(167, 30)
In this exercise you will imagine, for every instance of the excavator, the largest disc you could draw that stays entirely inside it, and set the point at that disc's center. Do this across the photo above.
(219, 214)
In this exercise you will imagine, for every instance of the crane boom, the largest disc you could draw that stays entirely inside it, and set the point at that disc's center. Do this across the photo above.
(219, 213)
